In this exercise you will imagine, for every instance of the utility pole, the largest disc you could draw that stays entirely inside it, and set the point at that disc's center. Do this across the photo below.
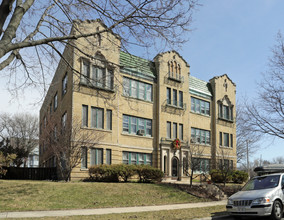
(247, 141)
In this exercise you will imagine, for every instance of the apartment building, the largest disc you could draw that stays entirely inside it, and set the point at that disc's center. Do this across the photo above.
(144, 112)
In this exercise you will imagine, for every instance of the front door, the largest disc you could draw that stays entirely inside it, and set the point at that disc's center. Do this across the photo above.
(175, 167)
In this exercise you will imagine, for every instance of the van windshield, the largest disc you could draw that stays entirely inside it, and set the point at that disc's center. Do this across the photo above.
(262, 182)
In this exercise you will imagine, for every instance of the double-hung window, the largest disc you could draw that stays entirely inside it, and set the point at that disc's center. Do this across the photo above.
(180, 131)
(84, 115)
(169, 102)
(226, 139)
(96, 75)
(85, 76)
(174, 130)
(109, 120)
(180, 99)
(63, 122)
(169, 129)
(136, 158)
(96, 156)
(174, 97)
(137, 89)
(200, 136)
(97, 117)
(200, 106)
(64, 84)
(135, 125)
(225, 112)
(84, 157)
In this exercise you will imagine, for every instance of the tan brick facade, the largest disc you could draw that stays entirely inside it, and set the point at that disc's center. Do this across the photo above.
(135, 104)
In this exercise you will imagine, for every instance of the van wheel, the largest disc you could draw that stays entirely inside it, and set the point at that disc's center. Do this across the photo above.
(277, 210)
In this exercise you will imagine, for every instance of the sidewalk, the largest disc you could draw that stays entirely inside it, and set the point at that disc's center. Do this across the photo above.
(102, 211)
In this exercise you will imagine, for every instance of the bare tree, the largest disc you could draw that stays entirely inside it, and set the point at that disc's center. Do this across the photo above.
(266, 113)
(195, 155)
(65, 146)
(224, 164)
(247, 138)
(22, 132)
(31, 30)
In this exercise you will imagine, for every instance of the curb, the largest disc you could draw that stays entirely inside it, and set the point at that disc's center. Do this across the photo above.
(212, 218)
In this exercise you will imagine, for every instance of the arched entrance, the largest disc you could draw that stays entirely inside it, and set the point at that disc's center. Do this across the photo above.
(175, 167)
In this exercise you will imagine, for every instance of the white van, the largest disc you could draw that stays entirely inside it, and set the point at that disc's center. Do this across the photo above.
(261, 196)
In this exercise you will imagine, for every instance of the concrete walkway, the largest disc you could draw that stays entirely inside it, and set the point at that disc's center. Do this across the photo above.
(103, 211)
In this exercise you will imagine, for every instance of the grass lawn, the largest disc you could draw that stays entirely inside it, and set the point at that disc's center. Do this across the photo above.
(42, 195)
(169, 214)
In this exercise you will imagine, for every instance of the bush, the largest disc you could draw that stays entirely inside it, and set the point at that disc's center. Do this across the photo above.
(112, 173)
(148, 174)
(219, 176)
(125, 171)
(104, 173)
(239, 176)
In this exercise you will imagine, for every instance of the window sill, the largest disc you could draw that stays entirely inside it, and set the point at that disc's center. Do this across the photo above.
(88, 85)
(133, 98)
(175, 79)
(225, 147)
(84, 169)
(96, 129)
(225, 119)
(203, 145)
(196, 113)
(176, 106)
(135, 135)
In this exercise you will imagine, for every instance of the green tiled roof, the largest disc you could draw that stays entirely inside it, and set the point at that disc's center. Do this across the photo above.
(137, 65)
(199, 87)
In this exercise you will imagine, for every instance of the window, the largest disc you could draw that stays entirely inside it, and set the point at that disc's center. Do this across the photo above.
(200, 136)
(84, 158)
(225, 112)
(135, 125)
(96, 76)
(109, 120)
(108, 156)
(136, 158)
(169, 129)
(201, 165)
(85, 76)
(221, 139)
(181, 99)
(180, 132)
(84, 115)
(231, 142)
(96, 156)
(63, 122)
(55, 102)
(137, 89)
(199, 106)
(174, 130)
(174, 97)
(64, 84)
(169, 96)
(226, 139)
(97, 117)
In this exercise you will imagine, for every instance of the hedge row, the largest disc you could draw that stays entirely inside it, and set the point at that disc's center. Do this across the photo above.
(123, 172)
(236, 176)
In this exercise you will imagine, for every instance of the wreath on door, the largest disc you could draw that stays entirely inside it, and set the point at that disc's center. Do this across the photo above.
(176, 144)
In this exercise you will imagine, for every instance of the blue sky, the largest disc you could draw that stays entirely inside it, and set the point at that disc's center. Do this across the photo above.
(229, 36)
(236, 37)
